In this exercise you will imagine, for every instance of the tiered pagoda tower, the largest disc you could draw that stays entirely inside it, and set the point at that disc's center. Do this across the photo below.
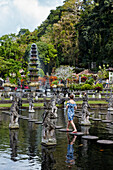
(33, 64)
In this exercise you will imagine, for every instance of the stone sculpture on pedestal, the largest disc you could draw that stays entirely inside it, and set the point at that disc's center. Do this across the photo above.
(14, 114)
(49, 123)
(31, 105)
(54, 108)
(110, 105)
(85, 112)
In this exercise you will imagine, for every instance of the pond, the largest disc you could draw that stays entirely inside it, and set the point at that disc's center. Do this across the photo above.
(22, 150)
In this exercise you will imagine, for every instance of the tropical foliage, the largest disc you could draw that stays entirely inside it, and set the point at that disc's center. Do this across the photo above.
(78, 33)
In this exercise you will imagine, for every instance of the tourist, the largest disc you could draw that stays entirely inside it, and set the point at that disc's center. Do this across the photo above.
(71, 106)
(107, 83)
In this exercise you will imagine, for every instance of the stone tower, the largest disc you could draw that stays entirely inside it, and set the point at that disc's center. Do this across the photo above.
(33, 64)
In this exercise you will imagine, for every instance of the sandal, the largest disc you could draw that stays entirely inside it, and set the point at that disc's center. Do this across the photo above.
(74, 132)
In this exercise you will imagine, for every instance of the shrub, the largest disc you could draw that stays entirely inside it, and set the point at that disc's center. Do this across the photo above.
(34, 84)
(83, 79)
(55, 82)
(91, 81)
(75, 86)
(98, 87)
(86, 87)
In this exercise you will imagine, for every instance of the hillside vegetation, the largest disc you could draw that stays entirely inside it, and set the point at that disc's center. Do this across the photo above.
(79, 34)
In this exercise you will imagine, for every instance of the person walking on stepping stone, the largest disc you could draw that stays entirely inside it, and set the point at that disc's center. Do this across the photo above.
(71, 106)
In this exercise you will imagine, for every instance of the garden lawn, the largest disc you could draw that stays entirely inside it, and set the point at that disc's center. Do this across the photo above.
(42, 104)
(93, 102)
(23, 105)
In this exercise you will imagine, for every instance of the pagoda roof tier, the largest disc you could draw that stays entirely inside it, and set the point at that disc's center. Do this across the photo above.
(33, 69)
(33, 55)
(35, 59)
(33, 75)
(33, 45)
(33, 64)
(34, 50)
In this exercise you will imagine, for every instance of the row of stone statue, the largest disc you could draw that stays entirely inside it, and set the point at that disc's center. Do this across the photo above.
(49, 117)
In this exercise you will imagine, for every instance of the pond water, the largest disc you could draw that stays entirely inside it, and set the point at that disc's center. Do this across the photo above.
(22, 150)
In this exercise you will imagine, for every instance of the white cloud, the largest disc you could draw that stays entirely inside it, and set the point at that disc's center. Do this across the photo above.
(28, 14)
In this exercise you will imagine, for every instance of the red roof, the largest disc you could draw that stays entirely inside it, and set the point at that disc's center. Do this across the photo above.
(87, 72)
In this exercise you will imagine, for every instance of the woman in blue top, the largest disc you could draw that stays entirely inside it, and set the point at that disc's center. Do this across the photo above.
(71, 106)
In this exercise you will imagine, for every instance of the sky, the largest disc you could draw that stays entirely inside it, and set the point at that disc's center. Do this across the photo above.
(28, 14)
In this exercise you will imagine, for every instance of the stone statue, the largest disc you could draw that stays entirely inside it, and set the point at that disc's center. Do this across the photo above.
(110, 102)
(31, 105)
(14, 114)
(54, 108)
(19, 83)
(48, 128)
(49, 122)
(85, 112)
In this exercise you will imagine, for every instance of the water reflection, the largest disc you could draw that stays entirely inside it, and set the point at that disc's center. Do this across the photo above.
(85, 129)
(22, 150)
(13, 143)
(48, 160)
(70, 158)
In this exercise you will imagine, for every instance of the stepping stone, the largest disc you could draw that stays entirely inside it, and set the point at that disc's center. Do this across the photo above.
(93, 108)
(90, 118)
(22, 117)
(89, 137)
(102, 108)
(96, 119)
(102, 113)
(106, 121)
(26, 118)
(78, 116)
(38, 122)
(77, 134)
(58, 127)
(105, 142)
(6, 112)
(65, 130)
(91, 113)
(32, 120)
(77, 111)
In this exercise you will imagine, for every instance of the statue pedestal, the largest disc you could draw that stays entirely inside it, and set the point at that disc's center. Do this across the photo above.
(48, 137)
(85, 123)
(48, 143)
(14, 126)
(32, 111)
(110, 109)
